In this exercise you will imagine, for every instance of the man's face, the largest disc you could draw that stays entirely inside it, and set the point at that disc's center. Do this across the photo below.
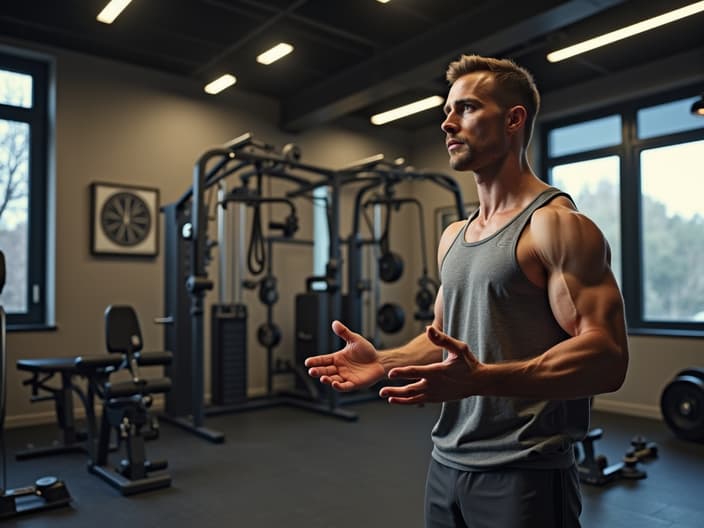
(474, 123)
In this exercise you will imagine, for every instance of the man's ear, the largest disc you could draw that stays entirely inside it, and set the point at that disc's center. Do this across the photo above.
(516, 118)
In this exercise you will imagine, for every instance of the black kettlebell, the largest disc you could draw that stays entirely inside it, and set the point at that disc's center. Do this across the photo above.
(390, 267)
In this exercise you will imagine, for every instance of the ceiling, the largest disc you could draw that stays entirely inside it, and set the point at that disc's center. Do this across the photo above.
(353, 58)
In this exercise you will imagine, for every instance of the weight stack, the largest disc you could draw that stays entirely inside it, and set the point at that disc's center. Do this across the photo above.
(312, 328)
(228, 338)
(313, 331)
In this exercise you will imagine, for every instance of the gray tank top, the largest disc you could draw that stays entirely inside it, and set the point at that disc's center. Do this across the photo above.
(491, 305)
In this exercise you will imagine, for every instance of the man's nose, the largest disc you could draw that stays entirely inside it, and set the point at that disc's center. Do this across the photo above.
(448, 125)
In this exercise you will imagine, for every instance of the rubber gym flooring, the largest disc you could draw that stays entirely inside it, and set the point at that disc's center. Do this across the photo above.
(288, 467)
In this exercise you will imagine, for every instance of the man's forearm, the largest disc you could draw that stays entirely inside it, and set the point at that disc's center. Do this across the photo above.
(418, 351)
(581, 366)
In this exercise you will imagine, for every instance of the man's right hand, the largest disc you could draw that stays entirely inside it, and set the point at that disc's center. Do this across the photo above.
(356, 366)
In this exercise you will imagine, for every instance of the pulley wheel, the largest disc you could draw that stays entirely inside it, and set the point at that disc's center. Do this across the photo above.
(268, 293)
(390, 267)
(268, 335)
(390, 318)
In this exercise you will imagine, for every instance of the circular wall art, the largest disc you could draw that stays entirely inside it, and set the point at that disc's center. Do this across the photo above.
(124, 220)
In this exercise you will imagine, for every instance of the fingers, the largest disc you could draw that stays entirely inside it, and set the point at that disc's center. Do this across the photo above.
(319, 361)
(343, 386)
(318, 372)
(411, 394)
(414, 371)
(443, 340)
(342, 331)
(413, 400)
(338, 383)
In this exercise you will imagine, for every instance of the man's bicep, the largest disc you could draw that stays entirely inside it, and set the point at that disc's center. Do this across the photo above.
(580, 306)
(581, 287)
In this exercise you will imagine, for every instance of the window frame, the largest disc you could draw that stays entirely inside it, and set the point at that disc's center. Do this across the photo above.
(630, 195)
(37, 117)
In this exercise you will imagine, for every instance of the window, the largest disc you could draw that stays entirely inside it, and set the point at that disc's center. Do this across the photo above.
(23, 184)
(321, 234)
(672, 216)
(636, 171)
(594, 186)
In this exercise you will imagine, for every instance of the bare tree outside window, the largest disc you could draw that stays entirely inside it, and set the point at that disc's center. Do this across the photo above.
(15, 90)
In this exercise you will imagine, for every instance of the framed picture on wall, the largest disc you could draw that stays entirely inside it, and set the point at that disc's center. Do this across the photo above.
(444, 216)
(124, 220)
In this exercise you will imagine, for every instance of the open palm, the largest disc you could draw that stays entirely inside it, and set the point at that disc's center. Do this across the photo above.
(355, 366)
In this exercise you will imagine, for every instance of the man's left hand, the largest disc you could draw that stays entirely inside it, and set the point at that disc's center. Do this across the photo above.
(448, 380)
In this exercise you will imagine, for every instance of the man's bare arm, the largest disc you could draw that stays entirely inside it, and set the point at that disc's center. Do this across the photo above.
(586, 302)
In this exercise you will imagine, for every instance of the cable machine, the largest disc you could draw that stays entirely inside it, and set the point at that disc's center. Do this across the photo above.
(188, 253)
(381, 177)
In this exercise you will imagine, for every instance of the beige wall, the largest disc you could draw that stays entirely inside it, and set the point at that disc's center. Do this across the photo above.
(121, 124)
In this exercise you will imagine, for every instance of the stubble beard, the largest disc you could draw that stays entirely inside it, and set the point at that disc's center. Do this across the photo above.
(462, 161)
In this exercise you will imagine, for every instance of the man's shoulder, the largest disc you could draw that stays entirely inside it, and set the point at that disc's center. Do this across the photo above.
(559, 231)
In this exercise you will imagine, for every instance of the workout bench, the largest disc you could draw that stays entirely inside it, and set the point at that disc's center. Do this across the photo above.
(125, 404)
(43, 371)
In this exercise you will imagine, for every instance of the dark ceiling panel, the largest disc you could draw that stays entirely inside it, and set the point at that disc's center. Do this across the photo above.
(353, 58)
(422, 57)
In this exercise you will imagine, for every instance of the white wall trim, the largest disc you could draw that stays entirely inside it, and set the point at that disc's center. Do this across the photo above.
(628, 408)
(79, 414)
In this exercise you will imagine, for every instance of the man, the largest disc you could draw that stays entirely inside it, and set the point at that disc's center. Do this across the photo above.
(528, 325)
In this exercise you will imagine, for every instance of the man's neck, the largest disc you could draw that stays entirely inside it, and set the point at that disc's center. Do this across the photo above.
(508, 187)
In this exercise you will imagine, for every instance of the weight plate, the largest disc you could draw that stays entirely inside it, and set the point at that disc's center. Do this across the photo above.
(682, 406)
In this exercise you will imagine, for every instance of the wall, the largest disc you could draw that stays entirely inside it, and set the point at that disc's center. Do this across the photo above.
(121, 124)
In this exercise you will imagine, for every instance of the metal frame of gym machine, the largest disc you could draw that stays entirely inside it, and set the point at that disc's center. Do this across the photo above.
(377, 172)
(186, 255)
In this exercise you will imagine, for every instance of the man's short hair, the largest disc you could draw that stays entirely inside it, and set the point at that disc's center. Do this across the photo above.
(516, 84)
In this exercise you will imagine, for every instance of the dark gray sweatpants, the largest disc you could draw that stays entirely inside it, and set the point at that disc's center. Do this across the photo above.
(506, 498)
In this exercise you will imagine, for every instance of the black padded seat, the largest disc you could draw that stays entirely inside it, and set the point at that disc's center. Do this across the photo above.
(123, 389)
(156, 358)
(47, 365)
(92, 364)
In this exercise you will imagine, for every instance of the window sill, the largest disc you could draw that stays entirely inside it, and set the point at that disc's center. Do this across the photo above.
(32, 327)
(665, 332)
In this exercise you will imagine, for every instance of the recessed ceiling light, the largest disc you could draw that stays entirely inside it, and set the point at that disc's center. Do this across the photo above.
(406, 110)
(219, 84)
(111, 11)
(698, 107)
(383, 1)
(271, 55)
(625, 32)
